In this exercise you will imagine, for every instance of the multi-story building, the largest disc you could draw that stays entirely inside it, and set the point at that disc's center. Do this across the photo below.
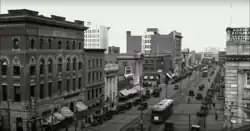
(111, 86)
(113, 50)
(97, 36)
(153, 42)
(94, 84)
(222, 57)
(237, 76)
(41, 67)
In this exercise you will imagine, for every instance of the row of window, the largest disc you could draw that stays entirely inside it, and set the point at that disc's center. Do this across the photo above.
(148, 68)
(44, 43)
(147, 46)
(110, 62)
(148, 61)
(94, 76)
(91, 36)
(91, 40)
(91, 31)
(94, 93)
(95, 63)
(42, 93)
(16, 68)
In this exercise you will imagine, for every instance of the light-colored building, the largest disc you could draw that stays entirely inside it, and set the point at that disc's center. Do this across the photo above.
(146, 40)
(111, 83)
(237, 78)
(97, 36)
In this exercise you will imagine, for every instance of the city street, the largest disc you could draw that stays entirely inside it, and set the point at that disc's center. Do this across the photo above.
(122, 120)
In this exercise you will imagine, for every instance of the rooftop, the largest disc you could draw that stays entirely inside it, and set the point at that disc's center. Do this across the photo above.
(30, 16)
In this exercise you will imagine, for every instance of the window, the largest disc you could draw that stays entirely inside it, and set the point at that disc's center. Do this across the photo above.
(80, 65)
(89, 77)
(93, 93)
(74, 83)
(42, 67)
(32, 70)
(74, 64)
(125, 63)
(41, 44)
(97, 76)
(32, 90)
(17, 94)
(59, 86)
(32, 44)
(146, 61)
(59, 46)
(41, 91)
(101, 64)
(88, 94)
(74, 45)
(50, 66)
(68, 64)
(93, 77)
(3, 68)
(100, 90)
(68, 85)
(16, 44)
(79, 83)
(16, 70)
(59, 65)
(101, 76)
(97, 63)
(67, 45)
(50, 89)
(80, 45)
(5, 92)
(50, 43)
(93, 63)
(89, 63)
(96, 92)
(248, 79)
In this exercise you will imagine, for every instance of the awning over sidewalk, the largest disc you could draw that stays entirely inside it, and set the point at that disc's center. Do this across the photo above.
(138, 88)
(133, 91)
(124, 92)
(80, 106)
(66, 112)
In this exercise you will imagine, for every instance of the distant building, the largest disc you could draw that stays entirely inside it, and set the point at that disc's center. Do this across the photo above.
(113, 50)
(237, 76)
(97, 36)
(222, 57)
(154, 42)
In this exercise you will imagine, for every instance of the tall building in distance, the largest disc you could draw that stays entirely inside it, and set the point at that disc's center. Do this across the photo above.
(154, 42)
(97, 36)
(237, 76)
(113, 50)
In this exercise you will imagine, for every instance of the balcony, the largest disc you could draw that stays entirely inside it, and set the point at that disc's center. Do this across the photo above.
(111, 67)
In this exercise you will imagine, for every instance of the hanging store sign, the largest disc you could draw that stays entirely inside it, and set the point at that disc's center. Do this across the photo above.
(240, 34)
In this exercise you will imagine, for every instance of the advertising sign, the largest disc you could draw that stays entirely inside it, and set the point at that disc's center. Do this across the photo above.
(128, 70)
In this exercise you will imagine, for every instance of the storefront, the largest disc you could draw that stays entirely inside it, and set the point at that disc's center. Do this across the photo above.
(151, 80)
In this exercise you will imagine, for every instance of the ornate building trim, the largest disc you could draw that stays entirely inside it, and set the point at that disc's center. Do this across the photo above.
(237, 57)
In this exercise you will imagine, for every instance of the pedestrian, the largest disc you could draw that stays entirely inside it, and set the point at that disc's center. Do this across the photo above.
(216, 116)
(213, 104)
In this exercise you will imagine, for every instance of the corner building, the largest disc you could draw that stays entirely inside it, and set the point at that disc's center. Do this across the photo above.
(41, 67)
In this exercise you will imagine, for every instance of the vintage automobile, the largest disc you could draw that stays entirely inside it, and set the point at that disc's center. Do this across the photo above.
(169, 126)
(143, 106)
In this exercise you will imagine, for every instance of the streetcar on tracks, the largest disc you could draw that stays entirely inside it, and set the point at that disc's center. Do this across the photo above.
(162, 111)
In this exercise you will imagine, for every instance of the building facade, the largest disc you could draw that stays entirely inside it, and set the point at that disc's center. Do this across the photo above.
(113, 50)
(222, 57)
(41, 67)
(133, 43)
(111, 85)
(237, 77)
(97, 36)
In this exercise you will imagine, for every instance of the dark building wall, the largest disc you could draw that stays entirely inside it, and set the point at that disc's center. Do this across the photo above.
(33, 50)
(162, 44)
(133, 43)
(94, 72)
(222, 57)
(113, 50)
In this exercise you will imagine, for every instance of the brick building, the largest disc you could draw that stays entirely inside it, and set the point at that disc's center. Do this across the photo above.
(41, 67)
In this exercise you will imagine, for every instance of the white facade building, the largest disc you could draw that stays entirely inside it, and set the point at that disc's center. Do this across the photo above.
(97, 36)
(146, 40)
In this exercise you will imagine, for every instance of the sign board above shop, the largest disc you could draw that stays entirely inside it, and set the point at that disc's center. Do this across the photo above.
(240, 34)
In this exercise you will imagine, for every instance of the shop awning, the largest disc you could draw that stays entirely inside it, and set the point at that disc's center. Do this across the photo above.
(66, 112)
(138, 88)
(80, 106)
(59, 116)
(132, 91)
(124, 92)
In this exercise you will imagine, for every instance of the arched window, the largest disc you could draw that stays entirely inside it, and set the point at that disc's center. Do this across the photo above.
(80, 45)
(50, 66)
(59, 44)
(74, 64)
(16, 44)
(32, 43)
(80, 65)
(59, 65)
(41, 66)
(50, 43)
(41, 43)
(68, 64)
(4, 67)
(74, 45)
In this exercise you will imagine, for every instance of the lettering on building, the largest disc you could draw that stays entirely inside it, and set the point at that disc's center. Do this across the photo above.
(240, 34)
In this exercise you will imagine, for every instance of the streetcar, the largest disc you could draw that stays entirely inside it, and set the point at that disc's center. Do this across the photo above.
(162, 111)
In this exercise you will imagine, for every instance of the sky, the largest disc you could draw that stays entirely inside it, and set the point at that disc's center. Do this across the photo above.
(201, 22)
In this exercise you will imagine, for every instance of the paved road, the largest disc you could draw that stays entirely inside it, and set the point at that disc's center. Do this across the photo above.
(122, 120)
(180, 117)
